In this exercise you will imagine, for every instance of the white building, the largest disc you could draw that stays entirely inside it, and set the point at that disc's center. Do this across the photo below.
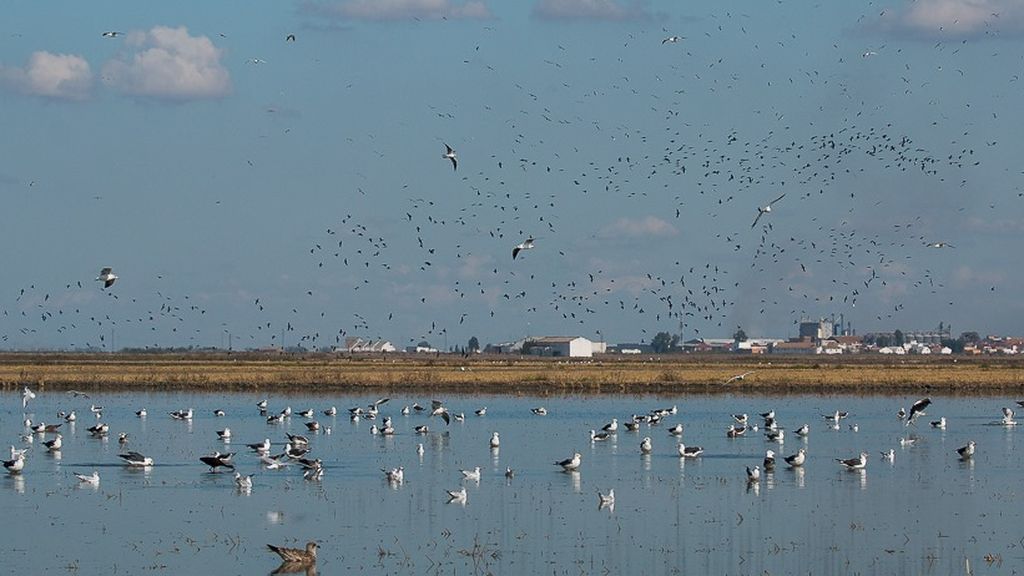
(561, 346)
(354, 344)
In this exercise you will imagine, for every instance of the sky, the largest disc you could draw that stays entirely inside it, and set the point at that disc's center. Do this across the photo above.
(246, 185)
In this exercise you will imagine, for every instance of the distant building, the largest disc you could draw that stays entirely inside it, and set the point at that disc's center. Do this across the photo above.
(817, 331)
(357, 345)
(708, 345)
(803, 346)
(560, 346)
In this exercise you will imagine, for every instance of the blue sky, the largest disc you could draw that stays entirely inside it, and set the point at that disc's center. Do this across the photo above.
(241, 183)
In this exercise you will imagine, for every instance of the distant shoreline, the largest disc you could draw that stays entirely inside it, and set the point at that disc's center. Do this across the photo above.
(504, 374)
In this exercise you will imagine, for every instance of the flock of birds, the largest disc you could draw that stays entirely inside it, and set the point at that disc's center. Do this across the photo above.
(668, 159)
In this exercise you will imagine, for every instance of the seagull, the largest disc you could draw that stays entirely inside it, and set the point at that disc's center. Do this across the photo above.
(218, 413)
(740, 418)
(26, 395)
(571, 464)
(612, 426)
(289, 38)
(1008, 417)
(93, 479)
(869, 53)
(803, 431)
(776, 436)
(136, 459)
(55, 444)
(761, 211)
(272, 463)
(908, 441)
(18, 452)
(889, 455)
(940, 423)
(243, 482)
(645, 446)
(473, 474)
(753, 474)
(218, 460)
(540, 411)
(509, 472)
(736, 431)
(224, 434)
(939, 245)
(122, 438)
(261, 447)
(739, 377)
(676, 430)
(16, 464)
(966, 452)
(495, 441)
(690, 451)
(769, 460)
(673, 39)
(599, 436)
(917, 409)
(480, 411)
(182, 414)
(332, 411)
(100, 429)
(395, 475)
(605, 500)
(141, 413)
(111, 34)
(296, 555)
(438, 409)
(450, 155)
(796, 460)
(857, 463)
(108, 277)
(308, 413)
(524, 245)
(316, 473)
(457, 495)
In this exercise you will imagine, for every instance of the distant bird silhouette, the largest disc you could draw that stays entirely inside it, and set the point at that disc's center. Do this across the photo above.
(450, 155)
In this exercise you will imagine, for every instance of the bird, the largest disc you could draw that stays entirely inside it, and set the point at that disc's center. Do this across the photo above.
(450, 155)
(1008, 417)
(605, 500)
(122, 438)
(260, 447)
(857, 463)
(218, 460)
(524, 245)
(571, 464)
(243, 482)
(939, 245)
(289, 38)
(481, 411)
(803, 430)
(889, 455)
(690, 451)
(394, 475)
(762, 210)
(777, 435)
(673, 39)
(332, 411)
(901, 413)
(55, 444)
(473, 474)
(676, 430)
(16, 464)
(736, 431)
(93, 479)
(136, 459)
(539, 411)
(612, 426)
(966, 452)
(141, 413)
(740, 418)
(769, 460)
(796, 460)
(457, 495)
(219, 413)
(224, 434)
(739, 377)
(296, 555)
(753, 474)
(495, 440)
(26, 395)
(940, 423)
(111, 34)
(107, 276)
(917, 409)
(645, 445)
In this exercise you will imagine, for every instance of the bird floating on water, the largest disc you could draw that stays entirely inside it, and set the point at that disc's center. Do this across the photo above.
(690, 451)
(857, 463)
(296, 555)
(136, 459)
(966, 452)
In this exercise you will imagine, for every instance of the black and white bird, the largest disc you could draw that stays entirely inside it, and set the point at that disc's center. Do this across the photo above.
(940, 423)
(1008, 417)
(107, 276)
(473, 475)
(243, 483)
(111, 34)
(645, 446)
(16, 464)
(218, 460)
(394, 475)
(571, 464)
(803, 430)
(524, 245)
(739, 377)
(966, 452)
(136, 459)
(857, 463)
(917, 409)
(539, 411)
(769, 460)
(796, 460)
(450, 155)
(676, 430)
(690, 451)
(673, 39)
(26, 395)
(605, 500)
(753, 474)
(458, 496)
(596, 436)
(611, 427)
(55, 444)
(762, 210)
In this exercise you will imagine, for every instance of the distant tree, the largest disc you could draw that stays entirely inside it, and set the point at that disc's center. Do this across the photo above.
(675, 342)
(423, 344)
(970, 337)
(897, 337)
(739, 335)
(956, 345)
(661, 342)
(883, 340)
(473, 345)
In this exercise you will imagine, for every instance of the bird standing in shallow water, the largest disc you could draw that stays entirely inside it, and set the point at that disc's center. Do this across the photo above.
(296, 555)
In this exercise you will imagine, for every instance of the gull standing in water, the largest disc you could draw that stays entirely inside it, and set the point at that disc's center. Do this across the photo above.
(762, 210)
(495, 440)
(136, 459)
(690, 451)
(857, 463)
(798, 459)
(91, 479)
(645, 446)
(457, 495)
(753, 474)
(769, 460)
(571, 464)
(473, 474)
(243, 483)
(1008, 417)
(966, 452)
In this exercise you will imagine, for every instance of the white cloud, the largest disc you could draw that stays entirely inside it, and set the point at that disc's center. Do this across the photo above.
(403, 9)
(167, 63)
(956, 18)
(636, 228)
(61, 76)
(589, 10)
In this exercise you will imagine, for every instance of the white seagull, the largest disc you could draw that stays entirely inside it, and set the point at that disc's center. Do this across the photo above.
(803, 431)
(457, 495)
(449, 153)
(612, 426)
(596, 436)
(762, 210)
(16, 464)
(605, 500)
(966, 452)
(798, 459)
(524, 245)
(753, 474)
(55, 444)
(473, 474)
(92, 479)
(1008, 417)
(26, 395)
(243, 483)
(739, 377)
(571, 464)
(395, 475)
(940, 423)
(673, 39)
(107, 276)
(645, 446)
(495, 440)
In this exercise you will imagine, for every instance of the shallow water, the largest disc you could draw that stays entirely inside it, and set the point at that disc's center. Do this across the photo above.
(925, 513)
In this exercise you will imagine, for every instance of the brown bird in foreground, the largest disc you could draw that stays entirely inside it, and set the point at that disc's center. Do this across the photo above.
(296, 555)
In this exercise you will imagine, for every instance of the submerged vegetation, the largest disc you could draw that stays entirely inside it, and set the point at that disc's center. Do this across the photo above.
(515, 374)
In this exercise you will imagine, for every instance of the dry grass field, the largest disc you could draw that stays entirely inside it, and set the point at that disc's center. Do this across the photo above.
(865, 374)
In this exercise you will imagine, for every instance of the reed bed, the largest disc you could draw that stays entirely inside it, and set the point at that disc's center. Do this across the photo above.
(512, 375)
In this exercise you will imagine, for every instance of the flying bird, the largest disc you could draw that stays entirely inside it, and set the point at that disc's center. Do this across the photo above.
(739, 377)
(112, 34)
(289, 38)
(673, 39)
(762, 210)
(524, 245)
(450, 155)
(917, 409)
(107, 276)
